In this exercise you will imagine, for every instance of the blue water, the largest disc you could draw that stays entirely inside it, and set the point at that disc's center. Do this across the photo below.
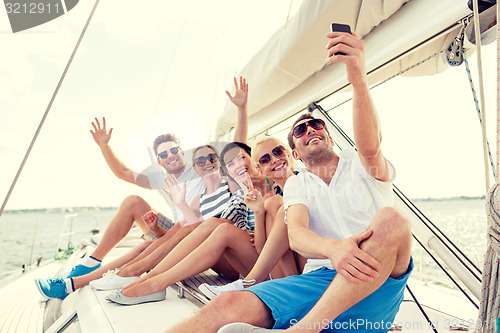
(464, 221)
(19, 231)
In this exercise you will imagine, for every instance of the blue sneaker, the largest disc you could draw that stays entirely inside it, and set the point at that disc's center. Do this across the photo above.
(80, 270)
(52, 288)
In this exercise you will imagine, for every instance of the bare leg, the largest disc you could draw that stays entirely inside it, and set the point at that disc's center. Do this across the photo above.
(224, 267)
(82, 281)
(153, 258)
(131, 209)
(184, 248)
(276, 249)
(156, 244)
(390, 244)
(271, 206)
(226, 236)
(287, 262)
(244, 307)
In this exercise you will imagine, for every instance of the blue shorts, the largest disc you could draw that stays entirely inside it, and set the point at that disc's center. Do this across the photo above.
(291, 298)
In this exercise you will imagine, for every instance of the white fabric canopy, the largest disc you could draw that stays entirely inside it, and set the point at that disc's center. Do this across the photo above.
(289, 72)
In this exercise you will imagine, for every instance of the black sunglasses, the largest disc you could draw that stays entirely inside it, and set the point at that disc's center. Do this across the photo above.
(301, 129)
(200, 161)
(164, 154)
(278, 151)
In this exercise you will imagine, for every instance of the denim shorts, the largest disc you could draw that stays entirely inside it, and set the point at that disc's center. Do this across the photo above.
(291, 298)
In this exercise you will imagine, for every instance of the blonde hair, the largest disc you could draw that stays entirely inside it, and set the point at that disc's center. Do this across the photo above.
(261, 140)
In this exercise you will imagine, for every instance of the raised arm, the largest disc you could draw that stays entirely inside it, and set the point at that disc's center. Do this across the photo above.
(102, 137)
(240, 99)
(367, 134)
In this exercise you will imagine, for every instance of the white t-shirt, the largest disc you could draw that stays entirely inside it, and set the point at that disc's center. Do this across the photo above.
(195, 185)
(343, 208)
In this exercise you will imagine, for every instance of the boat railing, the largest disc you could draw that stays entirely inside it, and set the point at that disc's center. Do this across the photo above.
(68, 232)
(421, 272)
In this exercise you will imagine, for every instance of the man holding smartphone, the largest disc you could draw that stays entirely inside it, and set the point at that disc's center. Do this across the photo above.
(339, 215)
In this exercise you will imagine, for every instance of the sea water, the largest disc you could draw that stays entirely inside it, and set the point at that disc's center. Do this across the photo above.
(26, 236)
(462, 220)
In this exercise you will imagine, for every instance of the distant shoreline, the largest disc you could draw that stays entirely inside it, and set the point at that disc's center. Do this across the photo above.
(87, 209)
(450, 198)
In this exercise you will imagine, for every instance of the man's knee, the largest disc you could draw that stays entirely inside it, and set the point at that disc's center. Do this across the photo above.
(392, 223)
(238, 306)
(133, 202)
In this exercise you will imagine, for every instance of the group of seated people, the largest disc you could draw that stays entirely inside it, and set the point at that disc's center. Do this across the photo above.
(281, 233)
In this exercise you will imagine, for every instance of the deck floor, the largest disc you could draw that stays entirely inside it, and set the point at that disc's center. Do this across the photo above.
(21, 305)
(22, 308)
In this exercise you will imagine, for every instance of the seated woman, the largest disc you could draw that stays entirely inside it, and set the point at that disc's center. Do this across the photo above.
(148, 254)
(229, 241)
(212, 202)
(272, 159)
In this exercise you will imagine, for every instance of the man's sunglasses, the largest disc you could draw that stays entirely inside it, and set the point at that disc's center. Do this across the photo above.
(164, 154)
(301, 129)
(200, 161)
(279, 152)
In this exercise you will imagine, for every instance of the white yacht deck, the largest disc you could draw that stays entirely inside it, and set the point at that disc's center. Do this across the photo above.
(22, 308)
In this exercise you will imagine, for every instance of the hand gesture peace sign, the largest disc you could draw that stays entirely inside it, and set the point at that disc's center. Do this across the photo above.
(253, 197)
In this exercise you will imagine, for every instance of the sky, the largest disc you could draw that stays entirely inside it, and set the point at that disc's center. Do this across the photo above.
(148, 69)
(163, 66)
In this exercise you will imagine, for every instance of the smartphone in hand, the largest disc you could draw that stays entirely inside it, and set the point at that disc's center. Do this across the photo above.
(341, 28)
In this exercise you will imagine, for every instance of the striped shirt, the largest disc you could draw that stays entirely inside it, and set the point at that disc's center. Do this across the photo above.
(214, 204)
(237, 211)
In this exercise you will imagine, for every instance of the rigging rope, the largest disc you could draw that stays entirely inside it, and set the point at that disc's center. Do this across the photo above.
(477, 31)
(407, 69)
(48, 109)
(498, 89)
(486, 143)
(420, 307)
(447, 273)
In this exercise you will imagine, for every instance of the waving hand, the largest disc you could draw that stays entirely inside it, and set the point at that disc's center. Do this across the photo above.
(100, 135)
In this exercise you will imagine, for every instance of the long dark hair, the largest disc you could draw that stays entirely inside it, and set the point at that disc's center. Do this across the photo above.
(229, 147)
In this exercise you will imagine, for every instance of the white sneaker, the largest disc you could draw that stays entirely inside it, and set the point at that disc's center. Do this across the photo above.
(110, 281)
(243, 328)
(212, 291)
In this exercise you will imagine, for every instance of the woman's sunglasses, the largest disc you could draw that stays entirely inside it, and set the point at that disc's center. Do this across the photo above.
(279, 152)
(301, 129)
(164, 154)
(200, 161)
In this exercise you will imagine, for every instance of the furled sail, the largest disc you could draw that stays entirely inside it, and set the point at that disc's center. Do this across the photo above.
(289, 72)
